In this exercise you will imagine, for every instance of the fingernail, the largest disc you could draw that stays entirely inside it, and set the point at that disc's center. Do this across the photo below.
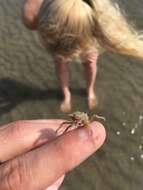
(98, 133)
(95, 132)
(84, 134)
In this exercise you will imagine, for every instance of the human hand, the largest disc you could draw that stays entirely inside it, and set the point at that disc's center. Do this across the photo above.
(34, 158)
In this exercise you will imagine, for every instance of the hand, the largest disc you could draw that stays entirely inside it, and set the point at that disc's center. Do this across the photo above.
(34, 158)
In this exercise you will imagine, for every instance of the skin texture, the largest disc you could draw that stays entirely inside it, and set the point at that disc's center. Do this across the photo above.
(30, 12)
(33, 156)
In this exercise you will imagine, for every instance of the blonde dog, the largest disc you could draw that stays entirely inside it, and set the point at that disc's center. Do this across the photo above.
(71, 27)
(84, 28)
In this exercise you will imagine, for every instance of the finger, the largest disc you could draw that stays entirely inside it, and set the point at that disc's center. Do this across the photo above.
(43, 166)
(21, 136)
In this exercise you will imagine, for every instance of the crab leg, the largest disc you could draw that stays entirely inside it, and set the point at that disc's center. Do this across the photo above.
(62, 124)
(67, 128)
(98, 117)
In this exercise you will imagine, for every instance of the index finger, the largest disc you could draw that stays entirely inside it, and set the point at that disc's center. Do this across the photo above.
(21, 136)
(41, 167)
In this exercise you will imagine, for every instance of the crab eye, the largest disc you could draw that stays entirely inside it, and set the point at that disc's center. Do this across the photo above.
(80, 123)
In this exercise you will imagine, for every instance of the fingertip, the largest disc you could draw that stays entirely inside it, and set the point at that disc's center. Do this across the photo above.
(99, 133)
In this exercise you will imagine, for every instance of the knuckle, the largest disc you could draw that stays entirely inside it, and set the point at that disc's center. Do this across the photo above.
(15, 177)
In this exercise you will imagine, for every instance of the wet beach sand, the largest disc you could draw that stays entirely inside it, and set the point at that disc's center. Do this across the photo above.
(29, 90)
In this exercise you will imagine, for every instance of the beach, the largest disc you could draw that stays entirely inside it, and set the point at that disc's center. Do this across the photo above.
(29, 90)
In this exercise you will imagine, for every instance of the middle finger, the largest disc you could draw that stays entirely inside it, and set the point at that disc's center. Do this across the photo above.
(22, 136)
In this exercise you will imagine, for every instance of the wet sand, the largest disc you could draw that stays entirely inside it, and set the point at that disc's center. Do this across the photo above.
(29, 90)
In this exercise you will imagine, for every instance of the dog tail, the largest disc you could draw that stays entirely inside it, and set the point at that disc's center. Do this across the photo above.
(112, 30)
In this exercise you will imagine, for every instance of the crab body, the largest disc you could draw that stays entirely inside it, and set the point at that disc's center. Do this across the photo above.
(77, 119)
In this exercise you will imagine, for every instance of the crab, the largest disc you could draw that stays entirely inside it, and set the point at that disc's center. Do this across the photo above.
(77, 119)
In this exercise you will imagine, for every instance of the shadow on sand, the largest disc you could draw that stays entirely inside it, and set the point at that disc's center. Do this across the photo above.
(13, 93)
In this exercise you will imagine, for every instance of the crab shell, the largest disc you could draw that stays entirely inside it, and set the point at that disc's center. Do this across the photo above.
(80, 116)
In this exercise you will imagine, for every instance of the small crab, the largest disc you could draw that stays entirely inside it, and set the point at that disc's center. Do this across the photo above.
(77, 119)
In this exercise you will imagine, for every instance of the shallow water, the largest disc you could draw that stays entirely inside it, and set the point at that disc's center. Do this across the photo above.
(28, 90)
